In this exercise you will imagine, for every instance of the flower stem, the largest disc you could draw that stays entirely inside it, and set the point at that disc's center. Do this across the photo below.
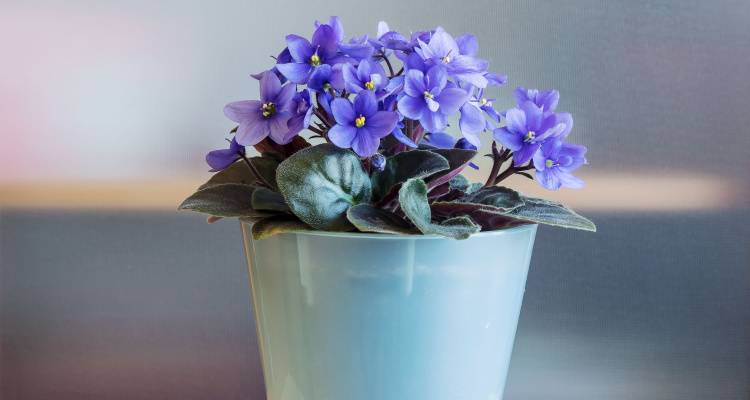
(497, 162)
(388, 63)
(512, 169)
(255, 172)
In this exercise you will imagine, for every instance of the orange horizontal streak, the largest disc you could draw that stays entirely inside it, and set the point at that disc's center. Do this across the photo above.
(603, 192)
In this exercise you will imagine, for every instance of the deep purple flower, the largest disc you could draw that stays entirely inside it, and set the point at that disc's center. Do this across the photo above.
(428, 100)
(458, 60)
(306, 56)
(258, 119)
(544, 99)
(555, 161)
(525, 130)
(335, 23)
(368, 75)
(327, 77)
(360, 126)
(223, 158)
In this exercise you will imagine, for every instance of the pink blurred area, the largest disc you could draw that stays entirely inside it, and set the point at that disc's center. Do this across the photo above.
(86, 93)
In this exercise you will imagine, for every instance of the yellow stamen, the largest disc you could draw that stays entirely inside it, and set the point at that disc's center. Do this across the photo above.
(549, 163)
(370, 85)
(314, 60)
(530, 136)
(483, 101)
(427, 95)
(268, 109)
(446, 60)
(360, 121)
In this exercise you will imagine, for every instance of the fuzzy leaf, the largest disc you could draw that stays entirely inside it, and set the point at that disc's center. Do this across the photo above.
(222, 200)
(266, 199)
(367, 218)
(458, 159)
(459, 182)
(548, 212)
(320, 183)
(501, 199)
(277, 224)
(406, 165)
(483, 215)
(239, 172)
(413, 200)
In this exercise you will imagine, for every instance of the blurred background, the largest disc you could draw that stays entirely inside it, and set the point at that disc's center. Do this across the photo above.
(108, 107)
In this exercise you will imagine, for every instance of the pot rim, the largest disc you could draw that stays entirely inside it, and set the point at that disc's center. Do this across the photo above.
(401, 236)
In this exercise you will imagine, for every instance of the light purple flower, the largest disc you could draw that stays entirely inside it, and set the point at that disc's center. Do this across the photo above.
(302, 112)
(428, 100)
(368, 75)
(223, 158)
(258, 119)
(555, 161)
(544, 99)
(306, 56)
(526, 128)
(360, 126)
(327, 77)
(458, 60)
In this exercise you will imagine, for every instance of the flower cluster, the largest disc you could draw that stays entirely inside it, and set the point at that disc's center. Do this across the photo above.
(382, 108)
(362, 101)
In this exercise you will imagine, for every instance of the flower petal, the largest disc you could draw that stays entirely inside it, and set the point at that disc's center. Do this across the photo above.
(437, 78)
(516, 121)
(442, 44)
(324, 40)
(245, 110)
(381, 123)
(351, 80)
(549, 179)
(399, 135)
(433, 121)
(365, 143)
(295, 72)
(284, 98)
(467, 44)
(525, 153)
(441, 140)
(534, 116)
(250, 134)
(412, 107)
(570, 181)
(299, 48)
(365, 103)
(472, 120)
(509, 139)
(451, 99)
(342, 135)
(221, 159)
(343, 111)
(414, 83)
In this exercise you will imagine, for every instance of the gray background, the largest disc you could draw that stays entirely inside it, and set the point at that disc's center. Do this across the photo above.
(155, 305)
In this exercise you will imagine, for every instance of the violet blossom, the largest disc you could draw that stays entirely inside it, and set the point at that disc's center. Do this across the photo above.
(360, 126)
(554, 163)
(428, 100)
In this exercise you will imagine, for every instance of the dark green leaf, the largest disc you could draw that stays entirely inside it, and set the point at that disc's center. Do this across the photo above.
(550, 213)
(239, 172)
(222, 200)
(501, 199)
(458, 159)
(413, 200)
(320, 183)
(406, 165)
(266, 199)
(367, 218)
(459, 182)
(483, 215)
(277, 224)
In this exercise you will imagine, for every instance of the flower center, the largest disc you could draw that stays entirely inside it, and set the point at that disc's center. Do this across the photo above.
(326, 86)
(268, 109)
(370, 85)
(314, 60)
(483, 101)
(359, 121)
(529, 136)
(427, 95)
(446, 59)
(550, 164)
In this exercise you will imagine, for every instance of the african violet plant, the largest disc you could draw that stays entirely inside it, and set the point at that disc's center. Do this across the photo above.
(380, 108)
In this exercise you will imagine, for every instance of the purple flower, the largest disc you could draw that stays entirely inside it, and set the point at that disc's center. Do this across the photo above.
(307, 56)
(443, 140)
(302, 112)
(525, 130)
(390, 40)
(367, 76)
(428, 100)
(398, 134)
(360, 126)
(544, 99)
(223, 158)
(555, 161)
(258, 119)
(326, 77)
(458, 60)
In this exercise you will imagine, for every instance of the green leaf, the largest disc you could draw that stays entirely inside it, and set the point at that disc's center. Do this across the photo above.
(413, 200)
(277, 224)
(222, 200)
(320, 183)
(266, 199)
(239, 172)
(406, 165)
(474, 187)
(367, 218)
(500, 199)
(550, 213)
(459, 182)
(458, 159)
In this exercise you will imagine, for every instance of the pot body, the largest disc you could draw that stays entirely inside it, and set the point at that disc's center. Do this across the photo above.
(387, 317)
